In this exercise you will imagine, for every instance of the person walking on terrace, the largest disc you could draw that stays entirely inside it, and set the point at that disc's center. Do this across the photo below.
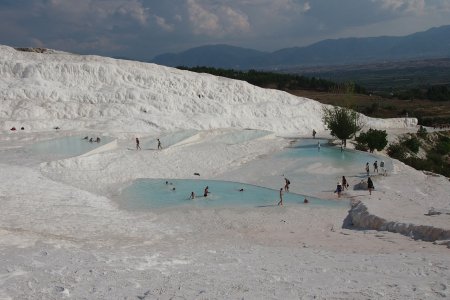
(280, 203)
(286, 185)
(370, 185)
(138, 147)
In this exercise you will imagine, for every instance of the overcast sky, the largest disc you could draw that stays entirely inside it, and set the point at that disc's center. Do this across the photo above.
(141, 29)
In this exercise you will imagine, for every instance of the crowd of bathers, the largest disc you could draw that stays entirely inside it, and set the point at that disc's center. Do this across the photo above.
(92, 140)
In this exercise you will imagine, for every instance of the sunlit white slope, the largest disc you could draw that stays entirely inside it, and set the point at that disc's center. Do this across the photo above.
(40, 91)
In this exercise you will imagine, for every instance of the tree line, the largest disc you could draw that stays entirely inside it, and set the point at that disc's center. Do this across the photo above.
(433, 93)
(287, 82)
(280, 81)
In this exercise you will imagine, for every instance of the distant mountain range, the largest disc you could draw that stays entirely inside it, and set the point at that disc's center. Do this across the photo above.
(433, 43)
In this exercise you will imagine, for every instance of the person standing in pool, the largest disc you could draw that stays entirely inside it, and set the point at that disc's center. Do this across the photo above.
(281, 198)
(206, 192)
(159, 144)
(370, 185)
(137, 144)
(367, 168)
(375, 167)
(192, 196)
(318, 146)
(344, 183)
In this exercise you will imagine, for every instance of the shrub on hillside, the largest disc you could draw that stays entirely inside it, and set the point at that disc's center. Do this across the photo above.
(361, 147)
(422, 132)
(372, 139)
(412, 144)
(443, 147)
(397, 151)
(419, 164)
(436, 158)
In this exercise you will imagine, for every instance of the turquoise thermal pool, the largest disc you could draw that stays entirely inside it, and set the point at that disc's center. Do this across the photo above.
(309, 151)
(155, 193)
(65, 147)
(317, 171)
(167, 140)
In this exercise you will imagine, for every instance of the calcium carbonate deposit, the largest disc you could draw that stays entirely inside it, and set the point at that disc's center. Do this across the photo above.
(64, 235)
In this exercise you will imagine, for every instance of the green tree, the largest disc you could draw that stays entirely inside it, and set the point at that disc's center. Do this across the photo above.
(373, 139)
(343, 122)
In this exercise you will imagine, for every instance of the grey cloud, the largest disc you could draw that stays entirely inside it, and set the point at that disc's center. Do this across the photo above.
(145, 28)
(216, 19)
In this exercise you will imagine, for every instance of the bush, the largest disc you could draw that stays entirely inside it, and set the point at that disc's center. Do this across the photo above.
(361, 147)
(372, 109)
(397, 151)
(412, 144)
(372, 139)
(443, 147)
(422, 132)
(435, 158)
(419, 164)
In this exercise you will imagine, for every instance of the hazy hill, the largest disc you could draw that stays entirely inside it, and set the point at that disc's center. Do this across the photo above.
(432, 43)
(223, 56)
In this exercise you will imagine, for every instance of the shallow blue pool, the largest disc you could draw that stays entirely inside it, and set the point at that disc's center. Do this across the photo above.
(67, 146)
(168, 140)
(331, 155)
(240, 136)
(155, 193)
(316, 171)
